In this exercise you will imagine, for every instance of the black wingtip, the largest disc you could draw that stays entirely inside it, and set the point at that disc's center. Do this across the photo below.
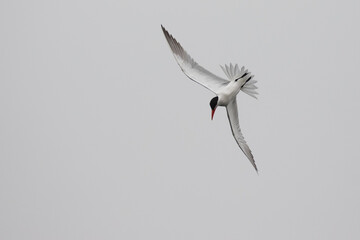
(256, 169)
(166, 33)
(244, 75)
(163, 29)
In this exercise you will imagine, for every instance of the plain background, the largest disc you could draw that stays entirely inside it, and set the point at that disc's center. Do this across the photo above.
(103, 137)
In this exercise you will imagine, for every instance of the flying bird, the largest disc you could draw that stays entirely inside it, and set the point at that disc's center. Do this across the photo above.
(224, 89)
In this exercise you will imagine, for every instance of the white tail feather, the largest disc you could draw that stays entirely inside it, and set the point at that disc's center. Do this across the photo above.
(233, 72)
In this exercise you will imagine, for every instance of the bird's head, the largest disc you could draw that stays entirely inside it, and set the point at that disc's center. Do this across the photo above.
(213, 104)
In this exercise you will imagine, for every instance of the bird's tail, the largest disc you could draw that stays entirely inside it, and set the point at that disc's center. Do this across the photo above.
(233, 73)
(250, 88)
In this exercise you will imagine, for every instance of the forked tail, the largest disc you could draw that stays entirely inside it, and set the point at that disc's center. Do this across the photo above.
(233, 73)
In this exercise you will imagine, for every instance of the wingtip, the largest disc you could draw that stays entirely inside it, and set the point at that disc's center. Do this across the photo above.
(164, 30)
(256, 169)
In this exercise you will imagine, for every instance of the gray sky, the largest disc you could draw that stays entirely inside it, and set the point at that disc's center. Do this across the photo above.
(103, 137)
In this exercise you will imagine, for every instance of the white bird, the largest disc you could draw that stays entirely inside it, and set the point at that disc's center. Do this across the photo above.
(225, 90)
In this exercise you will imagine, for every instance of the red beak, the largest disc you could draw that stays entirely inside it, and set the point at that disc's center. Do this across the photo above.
(212, 113)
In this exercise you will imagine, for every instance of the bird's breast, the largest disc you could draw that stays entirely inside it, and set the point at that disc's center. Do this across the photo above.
(228, 93)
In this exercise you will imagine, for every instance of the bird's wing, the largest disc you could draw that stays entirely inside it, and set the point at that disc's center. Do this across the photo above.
(191, 69)
(232, 113)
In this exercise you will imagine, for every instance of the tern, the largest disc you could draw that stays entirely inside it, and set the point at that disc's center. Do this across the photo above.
(224, 89)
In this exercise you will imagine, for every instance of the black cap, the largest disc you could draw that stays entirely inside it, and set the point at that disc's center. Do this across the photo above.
(214, 102)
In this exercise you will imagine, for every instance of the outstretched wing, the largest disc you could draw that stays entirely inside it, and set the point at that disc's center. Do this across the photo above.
(191, 69)
(232, 113)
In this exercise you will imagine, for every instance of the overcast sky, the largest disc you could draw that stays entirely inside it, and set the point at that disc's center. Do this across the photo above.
(103, 137)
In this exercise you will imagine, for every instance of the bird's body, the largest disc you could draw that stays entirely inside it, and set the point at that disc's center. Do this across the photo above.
(227, 93)
(226, 90)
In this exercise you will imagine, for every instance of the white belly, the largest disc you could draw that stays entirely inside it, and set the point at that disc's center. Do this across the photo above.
(228, 93)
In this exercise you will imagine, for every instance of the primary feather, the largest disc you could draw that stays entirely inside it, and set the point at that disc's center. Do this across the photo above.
(191, 68)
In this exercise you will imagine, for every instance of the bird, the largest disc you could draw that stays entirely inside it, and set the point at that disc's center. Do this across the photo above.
(225, 90)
